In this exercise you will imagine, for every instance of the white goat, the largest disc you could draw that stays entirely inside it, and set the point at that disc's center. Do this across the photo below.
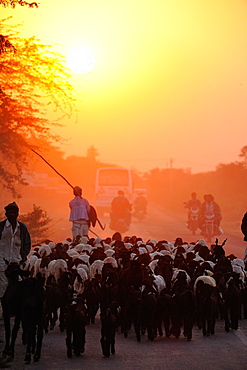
(175, 274)
(85, 267)
(153, 264)
(30, 262)
(37, 269)
(95, 268)
(206, 280)
(159, 283)
(84, 258)
(109, 252)
(79, 281)
(112, 261)
(57, 268)
(44, 250)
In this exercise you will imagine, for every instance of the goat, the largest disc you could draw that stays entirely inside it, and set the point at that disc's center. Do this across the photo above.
(207, 306)
(231, 301)
(57, 268)
(81, 277)
(23, 300)
(75, 327)
(57, 295)
(96, 268)
(131, 312)
(148, 307)
(92, 298)
(164, 304)
(108, 329)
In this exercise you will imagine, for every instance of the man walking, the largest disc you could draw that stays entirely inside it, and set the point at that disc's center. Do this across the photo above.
(15, 242)
(79, 214)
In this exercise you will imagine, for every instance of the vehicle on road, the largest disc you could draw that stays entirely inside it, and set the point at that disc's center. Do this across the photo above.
(192, 222)
(119, 224)
(209, 227)
(109, 180)
(139, 214)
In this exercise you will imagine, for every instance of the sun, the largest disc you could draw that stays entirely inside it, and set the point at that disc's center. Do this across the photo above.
(81, 60)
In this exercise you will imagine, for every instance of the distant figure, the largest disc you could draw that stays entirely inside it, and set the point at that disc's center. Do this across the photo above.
(244, 231)
(194, 205)
(116, 236)
(140, 203)
(210, 208)
(121, 208)
(79, 213)
(193, 202)
(15, 242)
(244, 226)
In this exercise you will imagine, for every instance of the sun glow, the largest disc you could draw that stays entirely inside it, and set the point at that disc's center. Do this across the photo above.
(81, 60)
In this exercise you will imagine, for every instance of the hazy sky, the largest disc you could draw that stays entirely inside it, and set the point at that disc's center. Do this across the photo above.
(170, 80)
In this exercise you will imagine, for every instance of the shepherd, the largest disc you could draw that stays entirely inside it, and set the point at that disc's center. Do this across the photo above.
(79, 213)
(88, 212)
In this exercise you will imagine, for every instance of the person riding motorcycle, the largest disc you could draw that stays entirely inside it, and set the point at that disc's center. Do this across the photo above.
(194, 205)
(211, 209)
(120, 208)
(140, 203)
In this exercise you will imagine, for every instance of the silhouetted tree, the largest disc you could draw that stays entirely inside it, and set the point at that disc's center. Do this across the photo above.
(243, 154)
(32, 78)
(38, 223)
(13, 3)
(92, 153)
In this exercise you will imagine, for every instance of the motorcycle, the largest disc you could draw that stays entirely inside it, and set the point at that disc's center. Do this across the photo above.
(210, 229)
(119, 224)
(140, 214)
(192, 223)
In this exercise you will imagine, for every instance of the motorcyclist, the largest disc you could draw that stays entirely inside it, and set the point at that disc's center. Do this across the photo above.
(193, 204)
(210, 208)
(244, 226)
(140, 203)
(244, 231)
(120, 208)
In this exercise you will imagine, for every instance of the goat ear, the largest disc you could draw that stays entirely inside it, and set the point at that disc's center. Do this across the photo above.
(224, 242)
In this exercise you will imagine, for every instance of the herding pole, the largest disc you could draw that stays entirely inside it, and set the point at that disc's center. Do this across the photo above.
(103, 228)
(53, 168)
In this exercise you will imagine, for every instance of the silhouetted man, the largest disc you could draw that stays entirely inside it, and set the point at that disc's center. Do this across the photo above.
(194, 205)
(15, 242)
(193, 202)
(121, 208)
(140, 203)
(79, 213)
(244, 226)
(210, 209)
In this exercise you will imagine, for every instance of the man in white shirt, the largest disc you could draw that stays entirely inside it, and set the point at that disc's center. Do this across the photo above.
(15, 242)
(79, 213)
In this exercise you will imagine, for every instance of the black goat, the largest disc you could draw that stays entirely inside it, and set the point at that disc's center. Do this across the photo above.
(57, 296)
(207, 305)
(23, 300)
(75, 327)
(232, 302)
(108, 329)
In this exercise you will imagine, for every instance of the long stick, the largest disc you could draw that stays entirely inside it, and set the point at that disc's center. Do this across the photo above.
(53, 168)
(102, 227)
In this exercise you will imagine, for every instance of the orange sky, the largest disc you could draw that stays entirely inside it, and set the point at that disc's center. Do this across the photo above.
(170, 79)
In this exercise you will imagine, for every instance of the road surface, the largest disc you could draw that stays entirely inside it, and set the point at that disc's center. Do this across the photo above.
(226, 351)
(162, 225)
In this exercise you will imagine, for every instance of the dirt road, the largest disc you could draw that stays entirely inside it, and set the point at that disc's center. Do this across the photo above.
(162, 225)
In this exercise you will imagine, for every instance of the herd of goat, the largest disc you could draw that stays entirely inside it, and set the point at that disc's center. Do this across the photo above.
(151, 286)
